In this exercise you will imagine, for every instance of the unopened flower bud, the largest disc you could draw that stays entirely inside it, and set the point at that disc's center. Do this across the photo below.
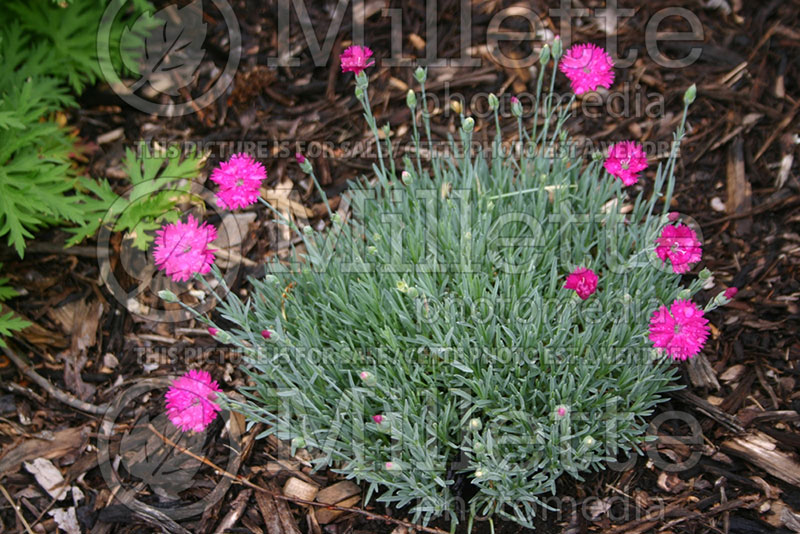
(493, 102)
(167, 296)
(516, 107)
(705, 274)
(406, 177)
(308, 230)
(544, 55)
(411, 99)
(478, 473)
(336, 218)
(413, 292)
(421, 74)
(456, 106)
(730, 292)
(557, 47)
(359, 93)
(402, 286)
(475, 424)
(690, 94)
(378, 419)
(386, 130)
(468, 125)
(271, 279)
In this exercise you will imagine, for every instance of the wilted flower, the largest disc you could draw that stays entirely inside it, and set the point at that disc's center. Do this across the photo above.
(583, 281)
(239, 181)
(588, 67)
(679, 243)
(681, 329)
(626, 160)
(181, 249)
(356, 58)
(190, 401)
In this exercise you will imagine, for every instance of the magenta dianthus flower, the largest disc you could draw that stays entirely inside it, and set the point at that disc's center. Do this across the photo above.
(190, 401)
(266, 334)
(679, 243)
(626, 160)
(731, 292)
(377, 418)
(239, 181)
(681, 330)
(356, 58)
(181, 249)
(588, 67)
(583, 281)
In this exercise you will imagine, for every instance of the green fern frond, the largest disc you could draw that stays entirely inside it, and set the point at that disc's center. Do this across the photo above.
(157, 183)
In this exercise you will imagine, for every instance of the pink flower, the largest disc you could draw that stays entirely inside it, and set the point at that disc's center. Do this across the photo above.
(681, 330)
(190, 401)
(378, 419)
(266, 334)
(300, 158)
(588, 67)
(181, 249)
(679, 243)
(356, 59)
(364, 375)
(212, 331)
(583, 281)
(239, 181)
(730, 293)
(514, 100)
(626, 160)
(561, 410)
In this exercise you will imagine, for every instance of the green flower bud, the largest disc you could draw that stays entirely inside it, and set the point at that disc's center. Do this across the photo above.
(413, 292)
(271, 279)
(167, 296)
(557, 47)
(411, 99)
(308, 230)
(468, 125)
(387, 130)
(298, 442)
(544, 55)
(493, 102)
(690, 94)
(421, 74)
(684, 294)
(402, 286)
(475, 424)
(372, 250)
(407, 177)
(588, 441)
(479, 447)
(516, 107)
(705, 274)
(337, 219)
(359, 93)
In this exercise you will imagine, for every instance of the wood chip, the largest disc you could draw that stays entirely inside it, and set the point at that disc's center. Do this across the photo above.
(761, 450)
(299, 489)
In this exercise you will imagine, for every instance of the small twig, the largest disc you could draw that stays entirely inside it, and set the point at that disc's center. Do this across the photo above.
(275, 495)
(16, 509)
(45, 384)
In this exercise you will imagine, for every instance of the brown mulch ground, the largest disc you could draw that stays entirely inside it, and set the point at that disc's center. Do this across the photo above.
(738, 178)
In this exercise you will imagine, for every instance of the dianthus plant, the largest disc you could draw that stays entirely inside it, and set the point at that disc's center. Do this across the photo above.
(426, 345)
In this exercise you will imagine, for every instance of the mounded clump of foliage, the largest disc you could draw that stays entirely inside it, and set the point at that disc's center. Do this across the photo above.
(427, 340)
